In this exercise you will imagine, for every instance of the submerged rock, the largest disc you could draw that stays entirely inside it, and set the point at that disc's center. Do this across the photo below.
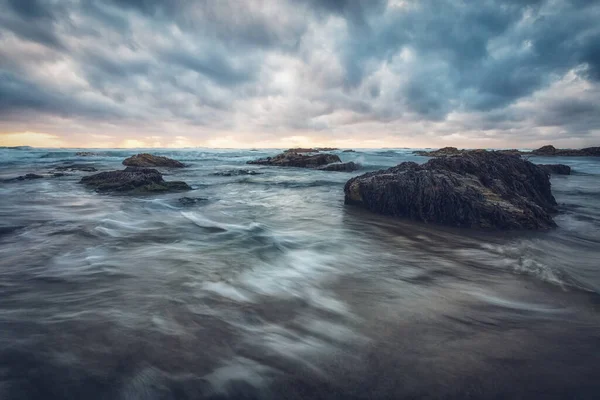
(341, 167)
(298, 160)
(25, 177)
(190, 201)
(349, 151)
(86, 154)
(150, 160)
(76, 167)
(132, 180)
(237, 172)
(474, 190)
(550, 150)
(556, 169)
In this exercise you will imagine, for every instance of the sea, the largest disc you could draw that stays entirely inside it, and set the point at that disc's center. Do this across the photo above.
(260, 283)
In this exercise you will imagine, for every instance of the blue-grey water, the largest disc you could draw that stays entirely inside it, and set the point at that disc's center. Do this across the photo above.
(268, 287)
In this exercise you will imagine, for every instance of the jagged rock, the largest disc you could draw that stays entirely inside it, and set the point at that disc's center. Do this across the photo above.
(550, 150)
(150, 160)
(132, 180)
(298, 160)
(76, 167)
(556, 169)
(237, 172)
(341, 167)
(474, 189)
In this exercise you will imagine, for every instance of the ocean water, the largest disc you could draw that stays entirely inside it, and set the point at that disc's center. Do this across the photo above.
(267, 286)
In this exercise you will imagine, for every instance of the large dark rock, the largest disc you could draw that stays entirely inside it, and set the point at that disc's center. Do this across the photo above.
(550, 150)
(340, 167)
(556, 169)
(150, 160)
(132, 180)
(298, 160)
(474, 189)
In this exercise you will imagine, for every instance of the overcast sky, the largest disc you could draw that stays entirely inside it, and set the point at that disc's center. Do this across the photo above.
(349, 73)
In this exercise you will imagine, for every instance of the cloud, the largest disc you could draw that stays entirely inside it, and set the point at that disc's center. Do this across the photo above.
(420, 72)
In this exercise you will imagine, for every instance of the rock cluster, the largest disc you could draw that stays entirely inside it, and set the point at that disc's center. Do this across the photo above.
(132, 180)
(293, 159)
(478, 189)
(453, 151)
(309, 149)
(550, 150)
(150, 160)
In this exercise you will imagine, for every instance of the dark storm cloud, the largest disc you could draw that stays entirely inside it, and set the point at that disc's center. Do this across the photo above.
(301, 64)
(18, 95)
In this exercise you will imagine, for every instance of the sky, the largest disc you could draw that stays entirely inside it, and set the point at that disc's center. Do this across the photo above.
(267, 73)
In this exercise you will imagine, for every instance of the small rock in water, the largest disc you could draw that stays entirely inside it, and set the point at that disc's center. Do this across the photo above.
(76, 167)
(236, 172)
(150, 160)
(349, 151)
(475, 189)
(86, 154)
(341, 167)
(189, 201)
(556, 169)
(25, 177)
(298, 160)
(132, 180)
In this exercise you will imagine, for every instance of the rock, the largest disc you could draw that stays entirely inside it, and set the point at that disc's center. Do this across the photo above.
(309, 150)
(474, 190)
(26, 177)
(301, 150)
(76, 167)
(86, 154)
(190, 201)
(132, 180)
(349, 151)
(298, 160)
(237, 172)
(556, 169)
(453, 151)
(150, 160)
(341, 167)
(444, 151)
(550, 150)
(545, 151)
